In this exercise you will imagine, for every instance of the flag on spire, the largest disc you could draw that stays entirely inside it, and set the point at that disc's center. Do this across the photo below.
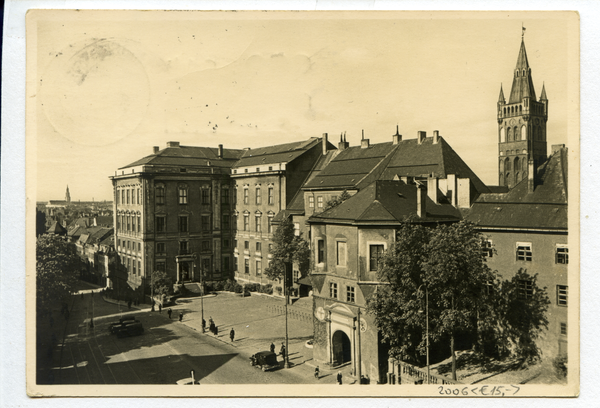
(523, 32)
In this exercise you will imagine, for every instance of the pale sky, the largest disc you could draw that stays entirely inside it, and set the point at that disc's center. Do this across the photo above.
(111, 86)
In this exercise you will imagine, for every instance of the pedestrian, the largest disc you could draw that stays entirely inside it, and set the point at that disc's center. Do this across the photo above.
(160, 308)
(81, 295)
(203, 325)
(180, 316)
(282, 351)
(272, 347)
(232, 334)
(339, 378)
(169, 313)
(129, 304)
(210, 321)
(216, 331)
(317, 373)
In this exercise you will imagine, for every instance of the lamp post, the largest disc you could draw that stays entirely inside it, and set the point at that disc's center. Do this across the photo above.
(201, 271)
(286, 360)
(426, 327)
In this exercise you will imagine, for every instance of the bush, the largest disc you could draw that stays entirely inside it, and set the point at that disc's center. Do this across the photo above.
(560, 364)
(278, 289)
(253, 287)
(237, 288)
(268, 289)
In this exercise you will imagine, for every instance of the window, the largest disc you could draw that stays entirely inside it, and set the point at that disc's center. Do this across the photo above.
(161, 223)
(160, 195)
(160, 248)
(225, 244)
(246, 222)
(563, 329)
(206, 265)
(225, 222)
(246, 196)
(226, 263)
(122, 196)
(139, 247)
(235, 264)
(205, 196)
(205, 222)
(333, 290)
(320, 202)
(183, 197)
(224, 195)
(246, 245)
(311, 202)
(320, 251)
(139, 223)
(270, 225)
(206, 245)
(160, 266)
(562, 293)
(341, 253)
(297, 229)
(258, 200)
(127, 196)
(140, 267)
(127, 245)
(524, 289)
(487, 248)
(350, 294)
(246, 265)
(258, 247)
(128, 264)
(271, 197)
(270, 248)
(562, 254)
(183, 247)
(524, 252)
(258, 169)
(183, 223)
(257, 222)
(134, 267)
(375, 254)
(296, 276)
(258, 267)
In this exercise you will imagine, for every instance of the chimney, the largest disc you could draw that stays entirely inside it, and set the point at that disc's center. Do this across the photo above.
(432, 188)
(364, 143)
(530, 176)
(436, 136)
(155, 149)
(397, 137)
(324, 140)
(421, 136)
(343, 144)
(557, 147)
(172, 144)
(421, 200)
(220, 151)
(464, 193)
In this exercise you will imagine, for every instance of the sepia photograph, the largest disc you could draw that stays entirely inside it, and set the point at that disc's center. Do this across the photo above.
(277, 203)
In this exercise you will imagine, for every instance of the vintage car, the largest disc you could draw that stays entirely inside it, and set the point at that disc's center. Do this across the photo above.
(266, 360)
(123, 320)
(129, 328)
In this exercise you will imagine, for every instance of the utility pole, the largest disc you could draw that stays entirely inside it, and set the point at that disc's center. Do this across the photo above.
(427, 329)
(286, 360)
(359, 368)
(201, 289)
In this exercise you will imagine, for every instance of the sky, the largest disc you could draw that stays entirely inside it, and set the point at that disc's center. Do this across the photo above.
(108, 86)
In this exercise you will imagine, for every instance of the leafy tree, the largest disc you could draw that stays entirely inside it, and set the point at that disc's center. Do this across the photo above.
(288, 247)
(56, 271)
(162, 284)
(40, 223)
(334, 202)
(447, 264)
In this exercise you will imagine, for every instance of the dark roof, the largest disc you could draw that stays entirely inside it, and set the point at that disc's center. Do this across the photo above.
(57, 228)
(522, 86)
(544, 208)
(283, 153)
(190, 156)
(356, 167)
(386, 201)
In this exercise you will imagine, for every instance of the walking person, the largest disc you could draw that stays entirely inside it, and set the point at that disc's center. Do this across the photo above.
(339, 378)
(272, 347)
(232, 334)
(203, 325)
(180, 316)
(317, 373)
(282, 351)
(160, 308)
(169, 313)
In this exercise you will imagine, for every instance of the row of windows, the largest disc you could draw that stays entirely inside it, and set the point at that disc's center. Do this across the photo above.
(514, 134)
(205, 245)
(129, 223)
(129, 196)
(134, 266)
(205, 265)
(375, 254)
(182, 195)
(525, 291)
(524, 252)
(258, 196)
(257, 170)
(257, 223)
(128, 245)
(183, 223)
(350, 292)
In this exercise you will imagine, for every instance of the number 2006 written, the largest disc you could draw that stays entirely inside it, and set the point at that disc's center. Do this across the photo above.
(483, 391)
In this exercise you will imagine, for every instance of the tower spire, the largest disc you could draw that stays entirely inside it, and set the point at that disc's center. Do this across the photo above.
(522, 86)
(501, 97)
(543, 96)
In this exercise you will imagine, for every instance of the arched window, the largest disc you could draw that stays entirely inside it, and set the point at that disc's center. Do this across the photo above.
(505, 111)
(501, 179)
(523, 132)
(501, 167)
(507, 164)
(507, 178)
(509, 135)
(502, 135)
(516, 167)
(516, 133)
(520, 108)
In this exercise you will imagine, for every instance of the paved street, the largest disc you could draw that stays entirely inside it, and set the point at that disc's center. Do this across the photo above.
(168, 349)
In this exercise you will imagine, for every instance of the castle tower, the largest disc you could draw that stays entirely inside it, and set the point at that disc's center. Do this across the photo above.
(521, 126)
(68, 195)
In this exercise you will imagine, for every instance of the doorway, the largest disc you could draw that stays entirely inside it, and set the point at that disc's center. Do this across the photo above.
(341, 348)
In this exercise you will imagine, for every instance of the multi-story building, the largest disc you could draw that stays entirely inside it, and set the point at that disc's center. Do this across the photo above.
(173, 213)
(265, 181)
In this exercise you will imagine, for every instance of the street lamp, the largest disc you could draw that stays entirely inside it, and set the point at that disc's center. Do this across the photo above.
(286, 360)
(201, 289)
(426, 326)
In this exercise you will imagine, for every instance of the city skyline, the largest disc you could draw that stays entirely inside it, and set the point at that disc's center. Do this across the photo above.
(273, 78)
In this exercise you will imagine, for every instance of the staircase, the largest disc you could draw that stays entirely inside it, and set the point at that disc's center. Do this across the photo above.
(193, 287)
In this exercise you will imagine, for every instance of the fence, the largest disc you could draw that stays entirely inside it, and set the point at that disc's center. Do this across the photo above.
(400, 372)
(295, 313)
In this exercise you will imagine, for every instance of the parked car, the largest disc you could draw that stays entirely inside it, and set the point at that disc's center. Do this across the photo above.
(129, 329)
(123, 320)
(266, 360)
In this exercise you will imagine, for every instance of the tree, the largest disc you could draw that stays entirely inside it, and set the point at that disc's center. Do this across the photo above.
(40, 223)
(56, 271)
(447, 263)
(162, 284)
(288, 247)
(334, 202)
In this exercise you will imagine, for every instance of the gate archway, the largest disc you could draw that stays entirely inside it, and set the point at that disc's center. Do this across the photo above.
(341, 348)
